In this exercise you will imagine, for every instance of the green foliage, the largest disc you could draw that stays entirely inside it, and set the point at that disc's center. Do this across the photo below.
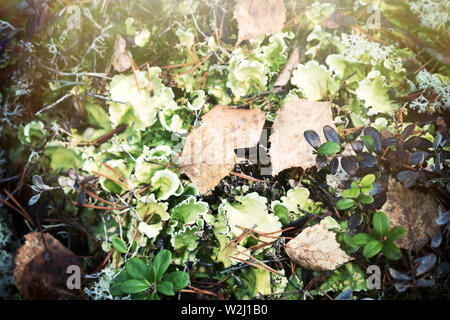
(148, 281)
(107, 142)
(381, 239)
(357, 193)
(329, 148)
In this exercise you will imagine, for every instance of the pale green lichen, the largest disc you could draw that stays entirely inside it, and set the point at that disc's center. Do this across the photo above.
(319, 12)
(313, 80)
(175, 119)
(374, 92)
(250, 211)
(150, 161)
(245, 75)
(261, 282)
(166, 183)
(298, 198)
(149, 206)
(189, 211)
(197, 100)
(136, 106)
(141, 39)
(122, 168)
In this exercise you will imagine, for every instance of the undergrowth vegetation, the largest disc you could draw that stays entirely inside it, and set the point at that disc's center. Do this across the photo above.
(97, 101)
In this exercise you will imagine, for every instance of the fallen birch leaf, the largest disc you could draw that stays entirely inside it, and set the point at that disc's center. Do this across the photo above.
(41, 268)
(285, 74)
(289, 147)
(415, 210)
(316, 248)
(120, 59)
(259, 18)
(208, 154)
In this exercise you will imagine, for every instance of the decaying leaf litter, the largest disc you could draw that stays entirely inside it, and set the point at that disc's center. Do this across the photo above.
(255, 155)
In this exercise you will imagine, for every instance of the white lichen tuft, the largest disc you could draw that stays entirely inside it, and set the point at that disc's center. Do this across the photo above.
(7, 245)
(99, 290)
(432, 13)
(431, 83)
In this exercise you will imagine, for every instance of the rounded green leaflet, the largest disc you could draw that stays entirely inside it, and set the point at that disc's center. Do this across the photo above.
(136, 268)
(134, 286)
(361, 239)
(396, 233)
(161, 262)
(166, 288)
(344, 204)
(365, 199)
(368, 142)
(119, 245)
(329, 148)
(380, 224)
(179, 279)
(391, 251)
(351, 193)
(115, 290)
(372, 248)
(367, 180)
(151, 273)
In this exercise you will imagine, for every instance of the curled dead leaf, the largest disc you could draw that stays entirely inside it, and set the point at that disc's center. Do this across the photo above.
(120, 59)
(41, 268)
(289, 147)
(259, 18)
(415, 210)
(316, 248)
(208, 154)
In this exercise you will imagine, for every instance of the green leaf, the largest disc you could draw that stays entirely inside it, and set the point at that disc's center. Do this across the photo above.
(365, 199)
(179, 279)
(368, 142)
(119, 245)
(166, 288)
(329, 148)
(372, 248)
(134, 286)
(154, 296)
(367, 180)
(380, 224)
(136, 268)
(115, 290)
(345, 240)
(151, 273)
(345, 204)
(97, 116)
(351, 193)
(62, 158)
(396, 233)
(161, 263)
(141, 296)
(391, 251)
(361, 239)
(366, 190)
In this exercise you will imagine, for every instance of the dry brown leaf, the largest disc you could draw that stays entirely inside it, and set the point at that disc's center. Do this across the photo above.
(289, 147)
(415, 210)
(259, 18)
(316, 248)
(208, 154)
(41, 268)
(120, 60)
(285, 74)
